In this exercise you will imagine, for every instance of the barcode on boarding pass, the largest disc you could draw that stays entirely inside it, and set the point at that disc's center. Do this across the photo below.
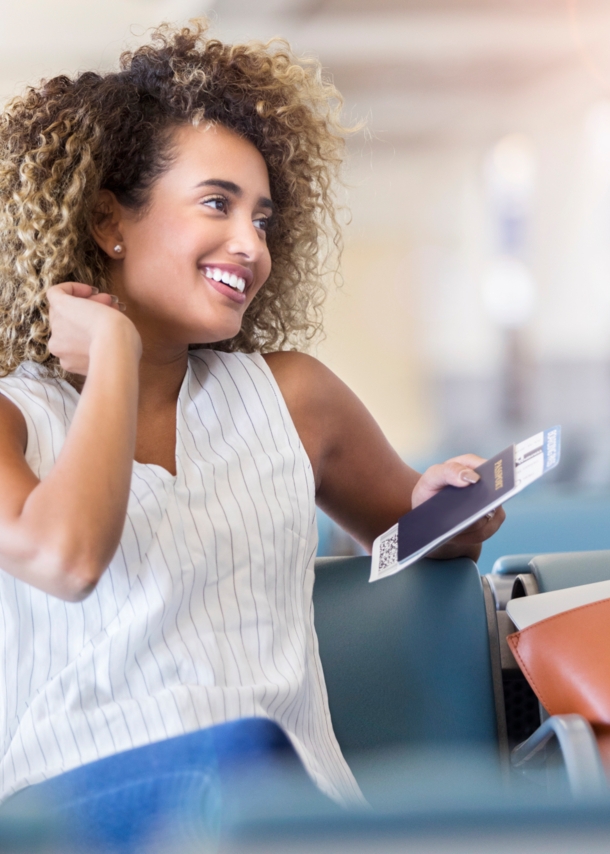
(388, 550)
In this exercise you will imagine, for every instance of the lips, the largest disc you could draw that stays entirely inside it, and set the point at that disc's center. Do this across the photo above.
(237, 283)
(231, 280)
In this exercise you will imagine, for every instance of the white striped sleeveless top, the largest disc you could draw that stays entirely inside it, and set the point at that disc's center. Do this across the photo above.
(204, 614)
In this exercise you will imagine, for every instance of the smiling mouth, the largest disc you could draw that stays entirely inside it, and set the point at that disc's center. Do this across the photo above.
(235, 282)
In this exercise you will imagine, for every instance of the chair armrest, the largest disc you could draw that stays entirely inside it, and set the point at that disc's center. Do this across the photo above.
(586, 776)
(512, 564)
(567, 569)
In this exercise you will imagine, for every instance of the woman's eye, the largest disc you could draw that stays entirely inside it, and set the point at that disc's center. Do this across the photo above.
(262, 222)
(218, 203)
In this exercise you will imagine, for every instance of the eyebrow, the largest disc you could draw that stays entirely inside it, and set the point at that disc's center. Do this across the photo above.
(235, 189)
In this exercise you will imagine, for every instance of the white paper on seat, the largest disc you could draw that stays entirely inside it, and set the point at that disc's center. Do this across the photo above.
(528, 610)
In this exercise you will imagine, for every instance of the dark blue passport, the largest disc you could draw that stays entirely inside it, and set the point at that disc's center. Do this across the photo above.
(453, 506)
(452, 510)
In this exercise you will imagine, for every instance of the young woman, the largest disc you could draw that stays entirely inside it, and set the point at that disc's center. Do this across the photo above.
(161, 446)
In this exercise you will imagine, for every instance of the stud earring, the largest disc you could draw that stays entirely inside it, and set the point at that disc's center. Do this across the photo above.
(118, 248)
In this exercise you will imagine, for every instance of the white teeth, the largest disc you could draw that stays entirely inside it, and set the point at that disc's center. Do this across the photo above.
(230, 279)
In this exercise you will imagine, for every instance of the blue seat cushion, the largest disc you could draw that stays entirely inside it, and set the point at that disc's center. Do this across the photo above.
(406, 659)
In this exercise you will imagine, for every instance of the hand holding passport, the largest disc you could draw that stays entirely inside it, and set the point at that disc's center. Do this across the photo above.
(452, 510)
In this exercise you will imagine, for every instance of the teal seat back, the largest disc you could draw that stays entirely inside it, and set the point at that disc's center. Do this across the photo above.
(568, 569)
(406, 659)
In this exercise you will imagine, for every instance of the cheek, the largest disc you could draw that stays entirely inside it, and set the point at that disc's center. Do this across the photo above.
(265, 267)
(161, 252)
(165, 239)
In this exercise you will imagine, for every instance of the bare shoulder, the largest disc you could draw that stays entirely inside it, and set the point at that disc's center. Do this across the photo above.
(310, 389)
(13, 429)
(16, 477)
(313, 396)
(300, 375)
(361, 481)
(292, 361)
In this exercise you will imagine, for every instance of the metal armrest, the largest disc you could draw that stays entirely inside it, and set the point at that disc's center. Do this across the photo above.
(586, 776)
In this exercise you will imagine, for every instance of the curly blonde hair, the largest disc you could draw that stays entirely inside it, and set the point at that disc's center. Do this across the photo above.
(62, 142)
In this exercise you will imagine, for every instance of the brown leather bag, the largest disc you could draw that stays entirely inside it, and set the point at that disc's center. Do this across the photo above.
(566, 660)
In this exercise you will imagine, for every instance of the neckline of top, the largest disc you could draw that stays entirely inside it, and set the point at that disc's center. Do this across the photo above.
(161, 471)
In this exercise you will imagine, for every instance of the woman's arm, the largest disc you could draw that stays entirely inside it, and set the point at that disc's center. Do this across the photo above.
(59, 534)
(361, 482)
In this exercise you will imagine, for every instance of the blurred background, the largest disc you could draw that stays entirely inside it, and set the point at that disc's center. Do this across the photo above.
(476, 303)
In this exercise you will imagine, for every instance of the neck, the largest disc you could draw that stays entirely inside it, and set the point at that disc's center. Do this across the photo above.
(161, 375)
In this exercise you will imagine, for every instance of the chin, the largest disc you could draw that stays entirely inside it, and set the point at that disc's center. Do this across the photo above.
(213, 336)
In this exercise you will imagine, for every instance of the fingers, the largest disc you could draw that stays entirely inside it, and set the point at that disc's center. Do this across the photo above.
(483, 529)
(73, 289)
(110, 300)
(451, 473)
(78, 289)
(459, 472)
(470, 540)
(497, 518)
(471, 460)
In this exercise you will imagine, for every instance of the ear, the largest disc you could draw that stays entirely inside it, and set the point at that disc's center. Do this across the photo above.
(106, 224)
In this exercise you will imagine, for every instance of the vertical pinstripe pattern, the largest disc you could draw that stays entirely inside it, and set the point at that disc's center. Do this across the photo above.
(204, 614)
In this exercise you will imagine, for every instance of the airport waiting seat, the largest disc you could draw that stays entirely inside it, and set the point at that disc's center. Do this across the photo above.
(406, 659)
(525, 574)
(414, 661)
(556, 571)
(522, 575)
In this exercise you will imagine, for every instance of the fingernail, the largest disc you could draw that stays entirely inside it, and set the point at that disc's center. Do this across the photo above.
(490, 515)
(122, 306)
(470, 476)
(94, 290)
(114, 299)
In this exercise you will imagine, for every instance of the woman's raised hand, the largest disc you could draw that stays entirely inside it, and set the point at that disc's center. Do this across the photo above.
(460, 472)
(79, 316)
(61, 532)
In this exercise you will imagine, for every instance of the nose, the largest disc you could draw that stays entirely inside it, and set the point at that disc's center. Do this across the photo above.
(244, 239)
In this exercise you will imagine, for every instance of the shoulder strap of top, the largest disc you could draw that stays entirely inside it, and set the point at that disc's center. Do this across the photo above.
(47, 405)
(250, 376)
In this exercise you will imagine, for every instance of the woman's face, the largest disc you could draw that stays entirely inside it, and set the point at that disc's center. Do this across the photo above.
(192, 263)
